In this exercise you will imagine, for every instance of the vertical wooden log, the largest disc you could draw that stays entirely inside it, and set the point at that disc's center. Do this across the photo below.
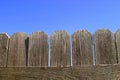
(117, 36)
(38, 49)
(104, 46)
(82, 48)
(17, 50)
(3, 49)
(60, 49)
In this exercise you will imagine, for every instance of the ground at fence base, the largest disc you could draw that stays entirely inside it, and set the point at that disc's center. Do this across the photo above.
(98, 72)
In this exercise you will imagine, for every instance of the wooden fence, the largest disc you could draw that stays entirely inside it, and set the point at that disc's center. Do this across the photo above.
(25, 57)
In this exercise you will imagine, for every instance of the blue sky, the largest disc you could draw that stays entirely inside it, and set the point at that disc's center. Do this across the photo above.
(50, 15)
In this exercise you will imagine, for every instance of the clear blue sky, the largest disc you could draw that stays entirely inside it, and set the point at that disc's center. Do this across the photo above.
(50, 15)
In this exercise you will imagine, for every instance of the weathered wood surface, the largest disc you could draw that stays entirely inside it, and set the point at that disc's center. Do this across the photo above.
(117, 36)
(17, 50)
(103, 72)
(38, 49)
(4, 39)
(82, 48)
(104, 44)
(60, 49)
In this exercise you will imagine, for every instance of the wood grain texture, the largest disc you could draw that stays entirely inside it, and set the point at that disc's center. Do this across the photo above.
(104, 44)
(38, 49)
(98, 72)
(117, 36)
(60, 49)
(82, 48)
(4, 39)
(17, 50)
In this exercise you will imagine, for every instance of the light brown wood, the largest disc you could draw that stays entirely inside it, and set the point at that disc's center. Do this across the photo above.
(82, 48)
(60, 49)
(17, 50)
(104, 44)
(4, 39)
(38, 49)
(98, 72)
(117, 36)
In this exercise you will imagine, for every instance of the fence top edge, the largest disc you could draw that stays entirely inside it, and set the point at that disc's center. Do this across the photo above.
(4, 33)
(117, 32)
(19, 33)
(38, 32)
(63, 31)
(59, 32)
(102, 30)
(81, 31)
